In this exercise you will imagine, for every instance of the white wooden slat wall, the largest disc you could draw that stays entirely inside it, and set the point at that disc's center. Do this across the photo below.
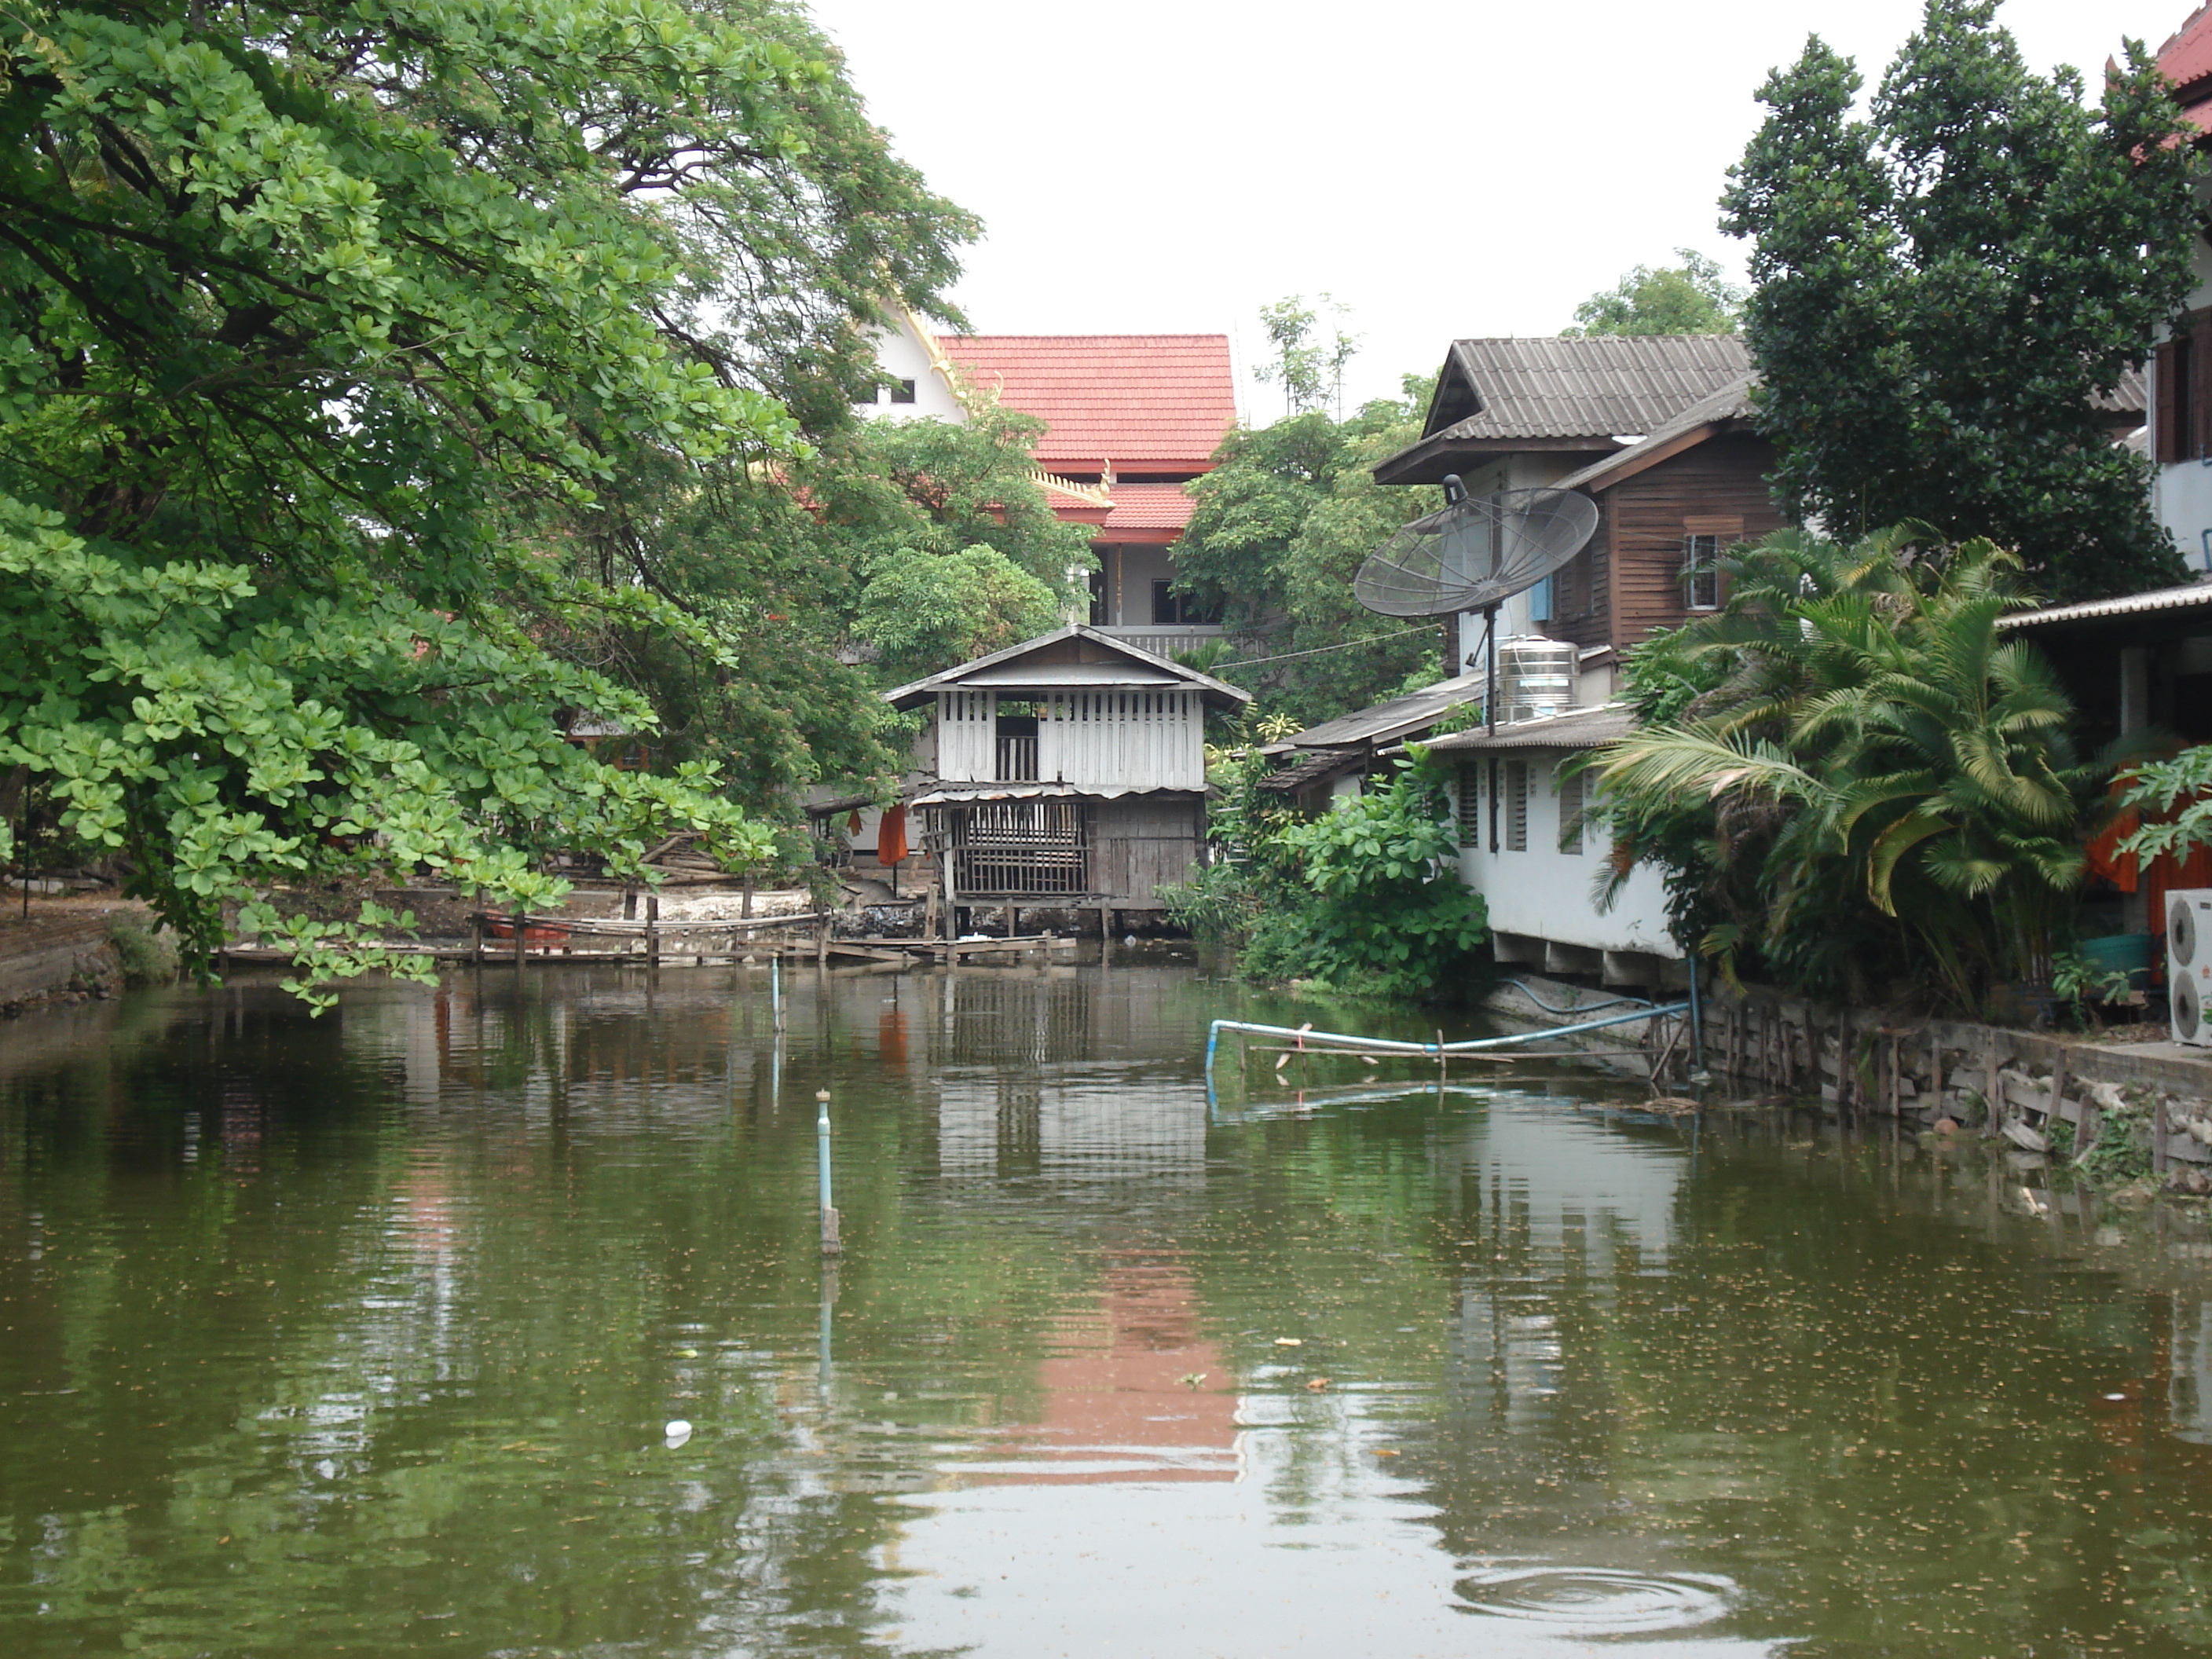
(1126, 739)
(967, 729)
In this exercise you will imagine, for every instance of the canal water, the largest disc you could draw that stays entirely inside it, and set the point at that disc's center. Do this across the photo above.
(377, 1334)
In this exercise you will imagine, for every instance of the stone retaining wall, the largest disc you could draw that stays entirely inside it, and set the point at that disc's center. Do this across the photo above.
(1932, 1069)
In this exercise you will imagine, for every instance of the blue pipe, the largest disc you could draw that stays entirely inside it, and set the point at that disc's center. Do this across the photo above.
(1386, 1045)
(1584, 1008)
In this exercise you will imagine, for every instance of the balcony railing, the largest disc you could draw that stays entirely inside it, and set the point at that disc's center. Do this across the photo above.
(1018, 760)
(1166, 642)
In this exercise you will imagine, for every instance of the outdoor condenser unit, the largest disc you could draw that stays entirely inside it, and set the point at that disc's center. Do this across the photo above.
(2189, 964)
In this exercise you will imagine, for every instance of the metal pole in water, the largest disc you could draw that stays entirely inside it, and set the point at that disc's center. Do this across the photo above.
(776, 988)
(1698, 1030)
(830, 1243)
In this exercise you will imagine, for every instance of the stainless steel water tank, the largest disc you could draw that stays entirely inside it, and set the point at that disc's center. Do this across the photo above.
(1535, 677)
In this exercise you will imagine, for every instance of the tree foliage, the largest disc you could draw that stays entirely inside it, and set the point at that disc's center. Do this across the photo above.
(1691, 298)
(1364, 899)
(1851, 779)
(1942, 290)
(1281, 525)
(319, 333)
(1309, 370)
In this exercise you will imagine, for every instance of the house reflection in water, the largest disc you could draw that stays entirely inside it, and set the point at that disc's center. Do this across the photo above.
(1133, 1391)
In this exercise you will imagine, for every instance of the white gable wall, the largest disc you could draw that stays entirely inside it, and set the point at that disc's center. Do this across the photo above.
(1093, 740)
(903, 357)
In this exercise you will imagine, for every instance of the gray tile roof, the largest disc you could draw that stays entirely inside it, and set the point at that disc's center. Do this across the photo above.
(1731, 402)
(1596, 386)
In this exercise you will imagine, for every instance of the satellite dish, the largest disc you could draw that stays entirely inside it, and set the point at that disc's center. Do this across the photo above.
(1476, 552)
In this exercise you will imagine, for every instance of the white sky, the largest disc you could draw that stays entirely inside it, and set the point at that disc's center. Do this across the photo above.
(1441, 169)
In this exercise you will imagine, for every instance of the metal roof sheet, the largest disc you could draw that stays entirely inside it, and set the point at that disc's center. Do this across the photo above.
(1045, 676)
(1731, 402)
(1594, 386)
(2189, 596)
(1320, 764)
(1388, 720)
(1220, 693)
(1580, 728)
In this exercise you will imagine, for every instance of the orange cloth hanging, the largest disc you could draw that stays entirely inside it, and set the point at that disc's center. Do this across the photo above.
(891, 836)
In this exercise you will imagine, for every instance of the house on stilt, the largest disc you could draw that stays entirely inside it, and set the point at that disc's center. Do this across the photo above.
(1067, 772)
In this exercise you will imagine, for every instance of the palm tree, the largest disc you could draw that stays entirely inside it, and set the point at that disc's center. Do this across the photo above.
(1888, 784)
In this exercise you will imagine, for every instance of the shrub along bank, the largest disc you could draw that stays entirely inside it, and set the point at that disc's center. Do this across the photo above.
(1363, 900)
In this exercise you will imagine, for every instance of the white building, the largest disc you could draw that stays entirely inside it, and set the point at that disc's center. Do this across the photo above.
(1524, 847)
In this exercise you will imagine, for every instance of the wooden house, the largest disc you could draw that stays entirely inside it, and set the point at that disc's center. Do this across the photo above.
(1067, 772)
(1522, 413)
(1669, 505)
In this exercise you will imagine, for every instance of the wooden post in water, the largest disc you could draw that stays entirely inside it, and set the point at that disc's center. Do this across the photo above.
(521, 929)
(2057, 1086)
(831, 1244)
(475, 937)
(1846, 1074)
(653, 930)
(746, 907)
(1935, 1068)
(822, 940)
(2158, 1127)
(1993, 1086)
(1896, 1078)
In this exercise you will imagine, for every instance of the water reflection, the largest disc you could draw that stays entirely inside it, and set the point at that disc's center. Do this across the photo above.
(368, 1334)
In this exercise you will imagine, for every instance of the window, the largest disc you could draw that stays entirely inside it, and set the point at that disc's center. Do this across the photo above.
(1516, 806)
(2181, 398)
(1570, 813)
(1101, 611)
(1470, 807)
(1701, 572)
(1174, 610)
(902, 392)
(1539, 601)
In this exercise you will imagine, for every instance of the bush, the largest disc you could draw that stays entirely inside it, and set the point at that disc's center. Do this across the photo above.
(1363, 899)
(148, 956)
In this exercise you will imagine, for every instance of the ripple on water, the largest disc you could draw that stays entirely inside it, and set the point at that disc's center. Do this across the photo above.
(1596, 1600)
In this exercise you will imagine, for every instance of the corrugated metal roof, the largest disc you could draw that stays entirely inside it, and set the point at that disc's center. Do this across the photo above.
(2191, 595)
(1312, 769)
(1596, 386)
(1392, 719)
(943, 794)
(1219, 693)
(1731, 402)
(1145, 402)
(1583, 728)
(1044, 676)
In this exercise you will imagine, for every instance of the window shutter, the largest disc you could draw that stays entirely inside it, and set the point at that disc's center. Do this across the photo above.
(1516, 806)
(1570, 813)
(1470, 805)
(2168, 367)
(2196, 440)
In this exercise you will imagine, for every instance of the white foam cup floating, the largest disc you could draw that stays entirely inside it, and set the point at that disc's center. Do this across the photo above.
(676, 1431)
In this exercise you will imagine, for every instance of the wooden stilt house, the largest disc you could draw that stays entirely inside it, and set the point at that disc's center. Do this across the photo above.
(1067, 772)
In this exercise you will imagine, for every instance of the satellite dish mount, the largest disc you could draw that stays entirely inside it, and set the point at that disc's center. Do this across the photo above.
(1474, 554)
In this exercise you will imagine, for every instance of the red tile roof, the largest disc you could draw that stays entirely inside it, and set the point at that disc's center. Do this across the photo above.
(1148, 506)
(2188, 56)
(1148, 402)
(2186, 60)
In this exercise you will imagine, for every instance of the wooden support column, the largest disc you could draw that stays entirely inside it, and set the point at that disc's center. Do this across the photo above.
(1992, 1085)
(2057, 1087)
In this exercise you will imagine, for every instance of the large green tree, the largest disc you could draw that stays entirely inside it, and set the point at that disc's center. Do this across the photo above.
(1282, 524)
(1691, 298)
(319, 333)
(1941, 291)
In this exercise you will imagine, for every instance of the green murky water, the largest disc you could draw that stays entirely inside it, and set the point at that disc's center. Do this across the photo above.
(361, 1337)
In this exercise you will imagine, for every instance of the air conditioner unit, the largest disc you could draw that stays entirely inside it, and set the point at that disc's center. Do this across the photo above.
(2189, 964)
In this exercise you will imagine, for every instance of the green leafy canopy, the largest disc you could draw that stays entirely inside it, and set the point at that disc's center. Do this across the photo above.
(318, 332)
(1942, 290)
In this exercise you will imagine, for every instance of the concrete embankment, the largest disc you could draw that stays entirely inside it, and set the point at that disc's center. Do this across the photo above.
(61, 950)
